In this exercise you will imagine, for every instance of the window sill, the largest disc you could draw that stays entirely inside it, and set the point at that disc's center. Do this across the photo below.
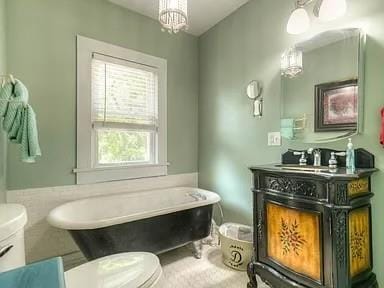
(105, 174)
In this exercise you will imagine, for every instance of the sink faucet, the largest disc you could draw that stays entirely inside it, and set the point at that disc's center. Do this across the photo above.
(333, 160)
(303, 158)
(316, 156)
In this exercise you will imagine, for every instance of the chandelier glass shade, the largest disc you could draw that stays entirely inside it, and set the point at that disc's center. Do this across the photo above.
(173, 15)
(292, 63)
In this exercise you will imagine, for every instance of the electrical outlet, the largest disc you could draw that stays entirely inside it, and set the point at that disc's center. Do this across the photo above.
(274, 139)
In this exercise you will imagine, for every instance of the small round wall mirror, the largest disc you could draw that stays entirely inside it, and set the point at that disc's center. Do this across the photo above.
(254, 91)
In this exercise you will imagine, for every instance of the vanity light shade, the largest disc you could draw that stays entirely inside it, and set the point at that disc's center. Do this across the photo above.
(298, 22)
(332, 9)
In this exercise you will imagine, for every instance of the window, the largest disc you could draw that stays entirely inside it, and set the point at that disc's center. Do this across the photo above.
(121, 113)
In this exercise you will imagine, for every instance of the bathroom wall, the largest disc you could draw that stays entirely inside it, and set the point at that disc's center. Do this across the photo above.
(247, 45)
(3, 70)
(42, 53)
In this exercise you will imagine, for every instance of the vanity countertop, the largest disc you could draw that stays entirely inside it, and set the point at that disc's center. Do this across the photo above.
(44, 274)
(325, 172)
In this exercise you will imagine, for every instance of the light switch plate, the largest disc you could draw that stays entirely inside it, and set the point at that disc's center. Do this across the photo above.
(274, 139)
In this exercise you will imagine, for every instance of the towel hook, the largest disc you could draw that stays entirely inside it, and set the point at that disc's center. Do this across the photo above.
(10, 76)
(12, 79)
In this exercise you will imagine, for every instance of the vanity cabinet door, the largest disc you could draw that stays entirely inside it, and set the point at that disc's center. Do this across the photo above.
(290, 239)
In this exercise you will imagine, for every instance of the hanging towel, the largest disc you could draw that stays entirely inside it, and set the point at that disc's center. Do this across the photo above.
(382, 127)
(19, 120)
(287, 128)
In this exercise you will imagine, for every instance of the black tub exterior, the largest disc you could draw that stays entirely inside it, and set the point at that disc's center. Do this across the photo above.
(156, 235)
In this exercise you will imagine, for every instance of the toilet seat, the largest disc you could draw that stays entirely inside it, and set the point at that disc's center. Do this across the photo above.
(125, 270)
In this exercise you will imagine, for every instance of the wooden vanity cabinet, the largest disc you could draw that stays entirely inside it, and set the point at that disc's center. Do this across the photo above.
(312, 229)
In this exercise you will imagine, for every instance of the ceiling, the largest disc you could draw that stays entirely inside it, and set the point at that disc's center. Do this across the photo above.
(203, 14)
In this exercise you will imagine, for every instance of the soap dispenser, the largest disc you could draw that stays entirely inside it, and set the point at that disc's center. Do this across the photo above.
(350, 161)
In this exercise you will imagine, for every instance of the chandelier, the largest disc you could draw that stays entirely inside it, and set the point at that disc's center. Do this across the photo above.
(292, 63)
(173, 15)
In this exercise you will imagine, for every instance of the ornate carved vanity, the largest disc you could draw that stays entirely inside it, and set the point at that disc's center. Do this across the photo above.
(312, 227)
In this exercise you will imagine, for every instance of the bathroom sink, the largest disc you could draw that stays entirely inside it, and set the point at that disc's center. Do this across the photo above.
(306, 168)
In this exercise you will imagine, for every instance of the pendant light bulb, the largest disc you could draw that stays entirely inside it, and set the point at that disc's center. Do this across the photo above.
(298, 22)
(331, 9)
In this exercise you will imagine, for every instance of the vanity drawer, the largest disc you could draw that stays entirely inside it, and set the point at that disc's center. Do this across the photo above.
(294, 186)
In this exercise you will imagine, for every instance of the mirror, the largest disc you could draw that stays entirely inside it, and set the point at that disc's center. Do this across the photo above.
(254, 91)
(322, 87)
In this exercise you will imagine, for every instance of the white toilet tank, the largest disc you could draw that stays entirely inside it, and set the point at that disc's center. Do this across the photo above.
(13, 218)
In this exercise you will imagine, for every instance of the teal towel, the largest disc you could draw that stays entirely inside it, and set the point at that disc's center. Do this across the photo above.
(287, 128)
(44, 274)
(287, 133)
(19, 120)
(287, 123)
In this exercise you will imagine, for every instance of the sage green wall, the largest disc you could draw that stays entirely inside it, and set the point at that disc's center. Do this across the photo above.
(3, 70)
(247, 45)
(42, 53)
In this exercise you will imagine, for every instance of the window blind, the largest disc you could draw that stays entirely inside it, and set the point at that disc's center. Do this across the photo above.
(124, 92)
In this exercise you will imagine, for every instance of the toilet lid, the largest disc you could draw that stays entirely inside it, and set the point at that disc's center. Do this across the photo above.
(125, 270)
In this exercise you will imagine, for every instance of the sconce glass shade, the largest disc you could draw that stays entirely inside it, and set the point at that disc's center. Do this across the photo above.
(173, 15)
(292, 63)
(298, 22)
(331, 9)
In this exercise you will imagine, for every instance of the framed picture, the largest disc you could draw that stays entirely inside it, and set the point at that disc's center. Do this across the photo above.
(336, 106)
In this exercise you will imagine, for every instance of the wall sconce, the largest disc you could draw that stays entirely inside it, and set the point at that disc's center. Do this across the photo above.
(325, 10)
(292, 63)
(254, 92)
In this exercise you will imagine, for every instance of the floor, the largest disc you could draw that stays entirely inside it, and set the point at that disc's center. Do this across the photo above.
(181, 270)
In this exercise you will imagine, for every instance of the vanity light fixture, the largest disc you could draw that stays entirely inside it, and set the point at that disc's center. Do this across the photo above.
(299, 21)
(325, 10)
(292, 63)
(328, 10)
(173, 15)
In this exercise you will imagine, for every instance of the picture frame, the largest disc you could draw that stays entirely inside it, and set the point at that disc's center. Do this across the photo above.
(336, 106)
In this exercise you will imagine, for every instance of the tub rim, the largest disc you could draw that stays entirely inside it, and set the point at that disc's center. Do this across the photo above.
(55, 218)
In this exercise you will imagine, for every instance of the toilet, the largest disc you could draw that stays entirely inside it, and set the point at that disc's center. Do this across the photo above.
(13, 218)
(123, 270)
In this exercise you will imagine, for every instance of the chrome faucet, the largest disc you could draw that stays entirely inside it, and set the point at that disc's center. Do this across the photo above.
(333, 160)
(316, 156)
(303, 158)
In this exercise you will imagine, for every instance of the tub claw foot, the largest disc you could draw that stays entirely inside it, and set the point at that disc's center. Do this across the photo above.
(197, 249)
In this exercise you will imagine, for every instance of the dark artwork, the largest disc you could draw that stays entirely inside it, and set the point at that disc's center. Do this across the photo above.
(336, 106)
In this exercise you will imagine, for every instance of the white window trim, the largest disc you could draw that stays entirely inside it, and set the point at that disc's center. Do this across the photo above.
(85, 172)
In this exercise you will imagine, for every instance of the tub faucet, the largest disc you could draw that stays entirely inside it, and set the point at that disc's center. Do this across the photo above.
(316, 156)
